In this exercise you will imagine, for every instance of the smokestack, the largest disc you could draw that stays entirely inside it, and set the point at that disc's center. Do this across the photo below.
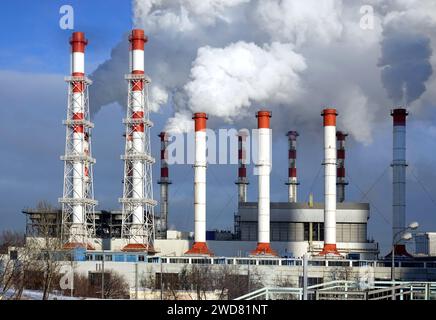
(263, 170)
(399, 180)
(341, 182)
(138, 204)
(329, 182)
(292, 171)
(164, 183)
(242, 181)
(78, 199)
(200, 247)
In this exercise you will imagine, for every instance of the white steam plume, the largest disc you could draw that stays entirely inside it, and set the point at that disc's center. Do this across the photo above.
(226, 82)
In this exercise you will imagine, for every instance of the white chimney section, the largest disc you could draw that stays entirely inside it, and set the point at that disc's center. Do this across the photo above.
(242, 181)
(329, 182)
(263, 170)
(292, 182)
(399, 179)
(200, 247)
(341, 181)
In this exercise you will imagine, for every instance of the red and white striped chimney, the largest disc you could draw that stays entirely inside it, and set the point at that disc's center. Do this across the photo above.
(164, 182)
(263, 170)
(329, 182)
(399, 180)
(78, 44)
(341, 182)
(137, 43)
(242, 181)
(200, 247)
(292, 182)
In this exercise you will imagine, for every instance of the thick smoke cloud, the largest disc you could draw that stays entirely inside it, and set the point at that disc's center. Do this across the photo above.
(231, 57)
(226, 82)
(405, 63)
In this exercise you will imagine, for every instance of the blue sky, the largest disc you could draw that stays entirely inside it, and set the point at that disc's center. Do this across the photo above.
(34, 58)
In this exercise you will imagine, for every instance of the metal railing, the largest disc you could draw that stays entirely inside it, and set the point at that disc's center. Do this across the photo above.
(349, 290)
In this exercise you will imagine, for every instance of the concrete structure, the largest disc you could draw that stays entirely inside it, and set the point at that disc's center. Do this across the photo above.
(399, 180)
(242, 181)
(164, 182)
(329, 121)
(200, 247)
(78, 193)
(341, 181)
(425, 244)
(297, 228)
(292, 182)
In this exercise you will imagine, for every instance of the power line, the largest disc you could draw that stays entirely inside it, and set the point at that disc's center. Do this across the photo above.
(313, 182)
(365, 195)
(423, 187)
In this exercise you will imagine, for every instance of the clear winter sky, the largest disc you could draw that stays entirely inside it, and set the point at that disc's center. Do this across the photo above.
(34, 58)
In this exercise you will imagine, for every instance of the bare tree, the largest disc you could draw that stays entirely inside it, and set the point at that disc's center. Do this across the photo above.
(11, 252)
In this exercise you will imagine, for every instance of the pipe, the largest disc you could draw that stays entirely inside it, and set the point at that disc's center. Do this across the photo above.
(164, 182)
(399, 179)
(200, 247)
(292, 182)
(341, 182)
(242, 181)
(329, 122)
(264, 167)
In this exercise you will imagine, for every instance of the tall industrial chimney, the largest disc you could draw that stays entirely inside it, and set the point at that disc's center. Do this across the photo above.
(200, 247)
(329, 182)
(263, 170)
(399, 180)
(138, 205)
(341, 182)
(242, 181)
(78, 216)
(292, 182)
(164, 183)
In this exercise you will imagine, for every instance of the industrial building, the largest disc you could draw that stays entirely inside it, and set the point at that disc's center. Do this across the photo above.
(266, 234)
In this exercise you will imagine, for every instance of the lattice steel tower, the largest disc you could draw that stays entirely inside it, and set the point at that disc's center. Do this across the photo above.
(78, 204)
(137, 201)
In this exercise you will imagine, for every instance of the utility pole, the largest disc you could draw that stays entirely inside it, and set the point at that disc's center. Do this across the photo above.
(161, 282)
(305, 264)
(102, 277)
(136, 280)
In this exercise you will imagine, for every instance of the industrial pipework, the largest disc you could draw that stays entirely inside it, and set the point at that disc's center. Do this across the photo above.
(263, 170)
(329, 116)
(292, 182)
(341, 182)
(199, 246)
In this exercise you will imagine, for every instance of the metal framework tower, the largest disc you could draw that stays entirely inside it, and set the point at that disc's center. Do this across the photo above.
(137, 201)
(164, 182)
(78, 204)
